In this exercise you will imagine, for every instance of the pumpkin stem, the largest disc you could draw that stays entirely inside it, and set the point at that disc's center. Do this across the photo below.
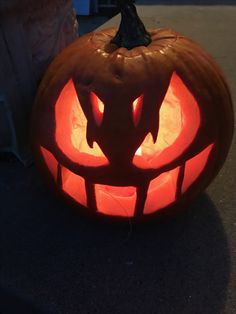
(132, 32)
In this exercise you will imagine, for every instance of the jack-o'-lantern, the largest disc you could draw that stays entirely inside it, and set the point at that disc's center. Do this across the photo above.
(131, 125)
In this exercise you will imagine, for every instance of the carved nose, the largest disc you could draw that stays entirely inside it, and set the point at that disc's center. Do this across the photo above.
(120, 148)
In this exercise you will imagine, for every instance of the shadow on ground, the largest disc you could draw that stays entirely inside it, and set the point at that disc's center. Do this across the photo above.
(59, 262)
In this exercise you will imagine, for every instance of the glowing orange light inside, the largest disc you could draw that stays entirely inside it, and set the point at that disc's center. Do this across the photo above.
(137, 109)
(139, 151)
(100, 106)
(74, 186)
(135, 103)
(97, 107)
(170, 126)
(71, 129)
(194, 167)
(162, 191)
(179, 121)
(120, 201)
(169, 129)
(78, 133)
(178, 125)
(115, 200)
(51, 162)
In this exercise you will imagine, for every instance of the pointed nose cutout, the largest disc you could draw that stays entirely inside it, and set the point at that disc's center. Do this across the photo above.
(98, 108)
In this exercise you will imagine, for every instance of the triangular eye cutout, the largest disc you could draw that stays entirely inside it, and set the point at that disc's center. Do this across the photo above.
(97, 108)
(71, 130)
(179, 122)
(137, 109)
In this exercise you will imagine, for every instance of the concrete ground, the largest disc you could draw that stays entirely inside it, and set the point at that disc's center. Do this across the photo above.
(55, 261)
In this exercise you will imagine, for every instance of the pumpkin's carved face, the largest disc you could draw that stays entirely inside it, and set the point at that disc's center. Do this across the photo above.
(129, 133)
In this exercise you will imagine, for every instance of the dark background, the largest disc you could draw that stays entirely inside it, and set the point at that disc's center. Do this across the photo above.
(55, 261)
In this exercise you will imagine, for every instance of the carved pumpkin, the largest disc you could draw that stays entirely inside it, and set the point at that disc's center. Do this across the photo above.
(131, 132)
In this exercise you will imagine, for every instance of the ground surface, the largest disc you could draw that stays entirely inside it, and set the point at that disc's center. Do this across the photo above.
(55, 261)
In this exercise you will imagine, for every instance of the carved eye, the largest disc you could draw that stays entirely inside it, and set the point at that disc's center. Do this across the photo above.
(179, 122)
(137, 109)
(71, 130)
(97, 108)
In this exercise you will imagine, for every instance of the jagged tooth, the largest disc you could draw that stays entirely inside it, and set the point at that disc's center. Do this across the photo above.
(89, 137)
(154, 135)
(154, 130)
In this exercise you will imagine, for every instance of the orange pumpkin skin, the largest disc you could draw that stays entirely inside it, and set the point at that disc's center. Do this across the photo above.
(123, 176)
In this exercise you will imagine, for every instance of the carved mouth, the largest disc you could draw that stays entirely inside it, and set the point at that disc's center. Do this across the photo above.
(162, 191)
